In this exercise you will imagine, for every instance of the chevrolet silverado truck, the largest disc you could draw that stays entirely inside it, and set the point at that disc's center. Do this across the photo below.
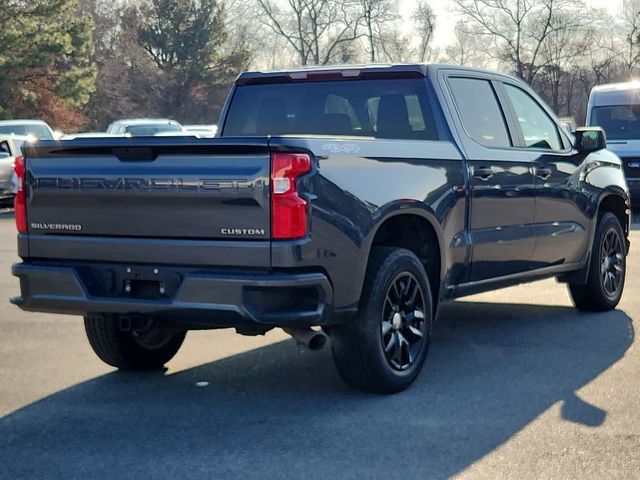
(346, 201)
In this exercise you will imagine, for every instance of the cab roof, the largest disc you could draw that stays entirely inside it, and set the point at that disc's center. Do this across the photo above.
(333, 72)
(342, 72)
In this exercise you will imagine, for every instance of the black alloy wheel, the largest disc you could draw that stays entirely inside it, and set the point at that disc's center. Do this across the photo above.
(612, 265)
(383, 349)
(607, 265)
(403, 321)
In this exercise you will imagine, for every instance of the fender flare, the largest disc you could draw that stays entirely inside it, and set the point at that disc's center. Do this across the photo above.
(579, 277)
(402, 208)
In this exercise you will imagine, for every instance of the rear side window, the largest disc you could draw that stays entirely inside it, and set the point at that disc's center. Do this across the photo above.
(479, 111)
(395, 109)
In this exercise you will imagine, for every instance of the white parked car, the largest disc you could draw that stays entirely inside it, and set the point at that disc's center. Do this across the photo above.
(37, 129)
(616, 108)
(72, 136)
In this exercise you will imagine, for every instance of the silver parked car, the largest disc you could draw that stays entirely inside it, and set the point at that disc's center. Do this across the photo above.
(201, 130)
(144, 127)
(10, 148)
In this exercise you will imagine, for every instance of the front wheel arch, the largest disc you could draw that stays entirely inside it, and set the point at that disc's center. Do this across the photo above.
(615, 202)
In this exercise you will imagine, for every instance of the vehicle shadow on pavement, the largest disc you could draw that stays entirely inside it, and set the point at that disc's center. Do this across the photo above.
(280, 412)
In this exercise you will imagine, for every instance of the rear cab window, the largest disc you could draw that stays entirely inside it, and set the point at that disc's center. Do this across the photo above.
(380, 108)
(479, 111)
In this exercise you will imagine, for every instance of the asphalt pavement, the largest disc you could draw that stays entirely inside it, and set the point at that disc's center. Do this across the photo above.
(517, 385)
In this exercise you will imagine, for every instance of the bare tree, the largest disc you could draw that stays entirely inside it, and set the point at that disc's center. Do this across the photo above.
(468, 47)
(425, 24)
(520, 28)
(395, 47)
(628, 50)
(315, 29)
(378, 18)
(562, 52)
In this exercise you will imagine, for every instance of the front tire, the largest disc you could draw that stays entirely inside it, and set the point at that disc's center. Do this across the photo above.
(131, 349)
(607, 268)
(384, 349)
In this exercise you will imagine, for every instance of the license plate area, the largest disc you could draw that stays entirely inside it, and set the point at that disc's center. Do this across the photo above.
(135, 281)
(149, 283)
(146, 289)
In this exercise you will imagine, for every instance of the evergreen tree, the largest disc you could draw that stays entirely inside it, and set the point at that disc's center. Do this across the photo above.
(45, 66)
(187, 40)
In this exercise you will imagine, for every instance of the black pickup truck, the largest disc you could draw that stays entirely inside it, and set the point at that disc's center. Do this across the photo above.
(354, 199)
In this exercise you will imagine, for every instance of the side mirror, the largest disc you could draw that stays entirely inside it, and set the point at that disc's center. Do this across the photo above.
(590, 139)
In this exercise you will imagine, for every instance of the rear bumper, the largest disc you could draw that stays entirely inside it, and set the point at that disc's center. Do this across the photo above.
(193, 298)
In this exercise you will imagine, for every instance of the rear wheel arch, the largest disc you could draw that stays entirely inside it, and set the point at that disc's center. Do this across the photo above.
(418, 233)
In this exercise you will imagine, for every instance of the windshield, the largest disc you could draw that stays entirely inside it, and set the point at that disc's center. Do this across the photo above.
(41, 132)
(150, 130)
(620, 122)
(377, 108)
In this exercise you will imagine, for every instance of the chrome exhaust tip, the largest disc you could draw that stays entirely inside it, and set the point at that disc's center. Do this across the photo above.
(312, 339)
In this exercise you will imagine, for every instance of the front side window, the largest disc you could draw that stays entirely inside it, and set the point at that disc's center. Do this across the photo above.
(480, 112)
(619, 122)
(393, 109)
(538, 129)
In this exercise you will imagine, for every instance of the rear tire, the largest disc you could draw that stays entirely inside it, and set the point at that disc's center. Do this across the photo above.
(384, 349)
(130, 350)
(607, 268)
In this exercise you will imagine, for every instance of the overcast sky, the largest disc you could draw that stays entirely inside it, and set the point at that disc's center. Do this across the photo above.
(446, 15)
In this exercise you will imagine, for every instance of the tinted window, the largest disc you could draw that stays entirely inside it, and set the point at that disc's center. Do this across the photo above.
(41, 132)
(538, 129)
(479, 111)
(378, 108)
(620, 122)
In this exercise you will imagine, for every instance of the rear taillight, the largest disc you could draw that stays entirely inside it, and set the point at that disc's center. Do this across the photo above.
(20, 202)
(288, 209)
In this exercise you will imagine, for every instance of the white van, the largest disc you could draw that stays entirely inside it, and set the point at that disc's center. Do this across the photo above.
(616, 108)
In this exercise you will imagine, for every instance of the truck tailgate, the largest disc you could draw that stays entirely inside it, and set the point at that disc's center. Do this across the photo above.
(169, 187)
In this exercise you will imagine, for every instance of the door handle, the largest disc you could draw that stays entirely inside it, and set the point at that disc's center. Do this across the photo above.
(543, 172)
(483, 173)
